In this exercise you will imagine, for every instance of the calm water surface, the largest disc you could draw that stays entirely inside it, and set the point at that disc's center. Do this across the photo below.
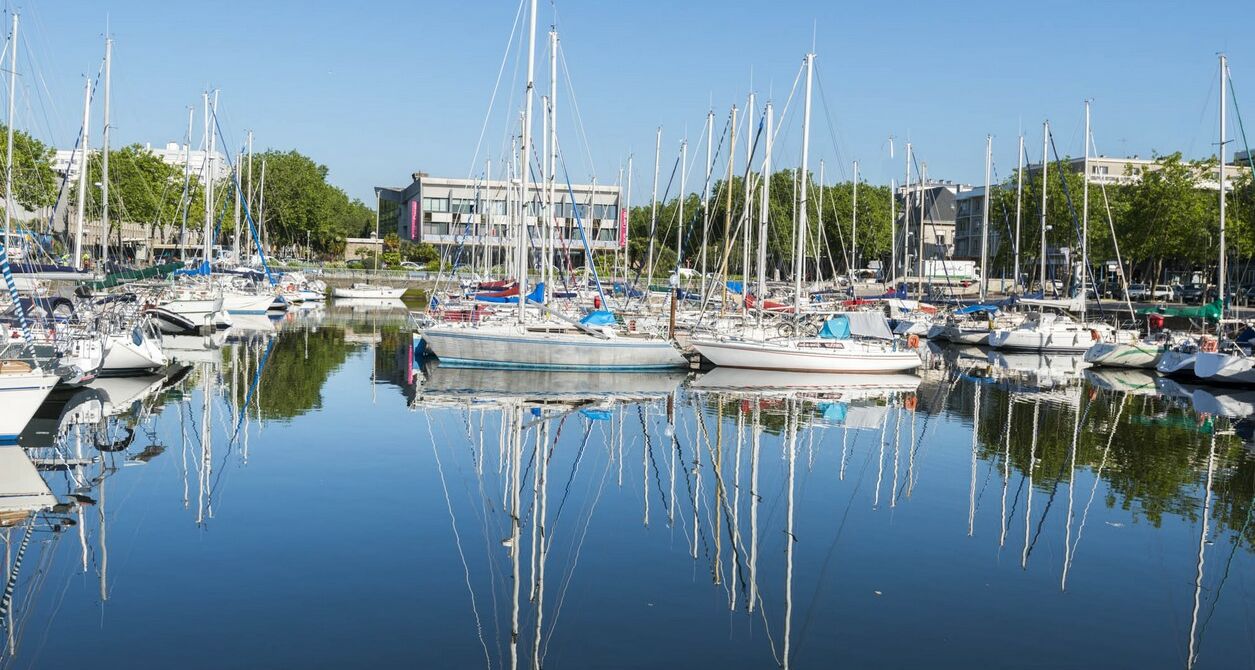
(307, 496)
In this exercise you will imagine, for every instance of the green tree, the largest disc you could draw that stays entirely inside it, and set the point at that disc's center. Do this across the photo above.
(34, 181)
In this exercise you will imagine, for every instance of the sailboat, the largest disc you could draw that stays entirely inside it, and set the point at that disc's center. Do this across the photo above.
(593, 342)
(1231, 364)
(849, 342)
(23, 387)
(1050, 332)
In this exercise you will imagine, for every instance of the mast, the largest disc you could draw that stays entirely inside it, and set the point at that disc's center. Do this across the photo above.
(1019, 193)
(235, 227)
(923, 204)
(187, 181)
(248, 191)
(261, 205)
(764, 212)
(727, 210)
(1221, 270)
(1045, 139)
(893, 230)
(207, 241)
(626, 221)
(550, 227)
(1085, 216)
(906, 215)
(710, 168)
(984, 220)
(745, 209)
(104, 166)
(653, 212)
(82, 174)
(8, 173)
(853, 226)
(799, 261)
(524, 162)
(679, 230)
(819, 225)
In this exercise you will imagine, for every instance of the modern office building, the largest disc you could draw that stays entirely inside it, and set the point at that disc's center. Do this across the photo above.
(475, 217)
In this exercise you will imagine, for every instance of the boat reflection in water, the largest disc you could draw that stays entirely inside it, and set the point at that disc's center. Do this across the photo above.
(734, 518)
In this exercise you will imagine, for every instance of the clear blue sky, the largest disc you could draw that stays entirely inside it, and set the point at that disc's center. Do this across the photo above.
(378, 89)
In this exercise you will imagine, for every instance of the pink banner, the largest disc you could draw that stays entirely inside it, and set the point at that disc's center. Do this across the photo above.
(414, 220)
(622, 229)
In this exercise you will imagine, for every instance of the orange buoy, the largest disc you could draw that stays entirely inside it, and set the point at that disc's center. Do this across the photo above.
(913, 341)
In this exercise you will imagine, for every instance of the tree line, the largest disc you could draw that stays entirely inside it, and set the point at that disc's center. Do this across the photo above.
(1161, 221)
(300, 205)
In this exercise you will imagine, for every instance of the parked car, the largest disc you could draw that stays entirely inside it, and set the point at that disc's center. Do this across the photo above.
(1193, 293)
(1161, 292)
(411, 265)
(1138, 292)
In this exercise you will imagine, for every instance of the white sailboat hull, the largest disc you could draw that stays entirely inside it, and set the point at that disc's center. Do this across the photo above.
(1027, 339)
(1124, 354)
(1224, 368)
(366, 291)
(132, 352)
(830, 356)
(1176, 363)
(21, 394)
(246, 303)
(515, 348)
(196, 309)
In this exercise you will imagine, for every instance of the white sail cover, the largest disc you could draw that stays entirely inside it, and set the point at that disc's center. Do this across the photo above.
(868, 324)
(1071, 304)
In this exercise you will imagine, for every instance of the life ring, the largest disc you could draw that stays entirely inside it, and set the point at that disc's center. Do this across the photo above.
(632, 325)
(911, 401)
(1093, 334)
(912, 341)
(1209, 344)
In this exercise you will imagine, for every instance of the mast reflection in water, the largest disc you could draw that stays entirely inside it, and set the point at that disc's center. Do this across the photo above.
(309, 495)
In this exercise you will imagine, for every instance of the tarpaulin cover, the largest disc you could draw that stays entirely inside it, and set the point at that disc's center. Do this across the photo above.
(537, 295)
(868, 324)
(836, 328)
(600, 317)
(1210, 312)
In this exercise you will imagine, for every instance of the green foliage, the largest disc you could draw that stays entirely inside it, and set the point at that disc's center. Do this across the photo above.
(143, 189)
(830, 226)
(300, 202)
(34, 182)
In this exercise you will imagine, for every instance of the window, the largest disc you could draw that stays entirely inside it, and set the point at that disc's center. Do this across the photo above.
(435, 204)
(463, 206)
(1098, 169)
(496, 207)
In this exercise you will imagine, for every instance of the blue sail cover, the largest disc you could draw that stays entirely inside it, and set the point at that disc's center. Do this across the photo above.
(836, 328)
(201, 270)
(599, 317)
(537, 295)
(736, 287)
(977, 309)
